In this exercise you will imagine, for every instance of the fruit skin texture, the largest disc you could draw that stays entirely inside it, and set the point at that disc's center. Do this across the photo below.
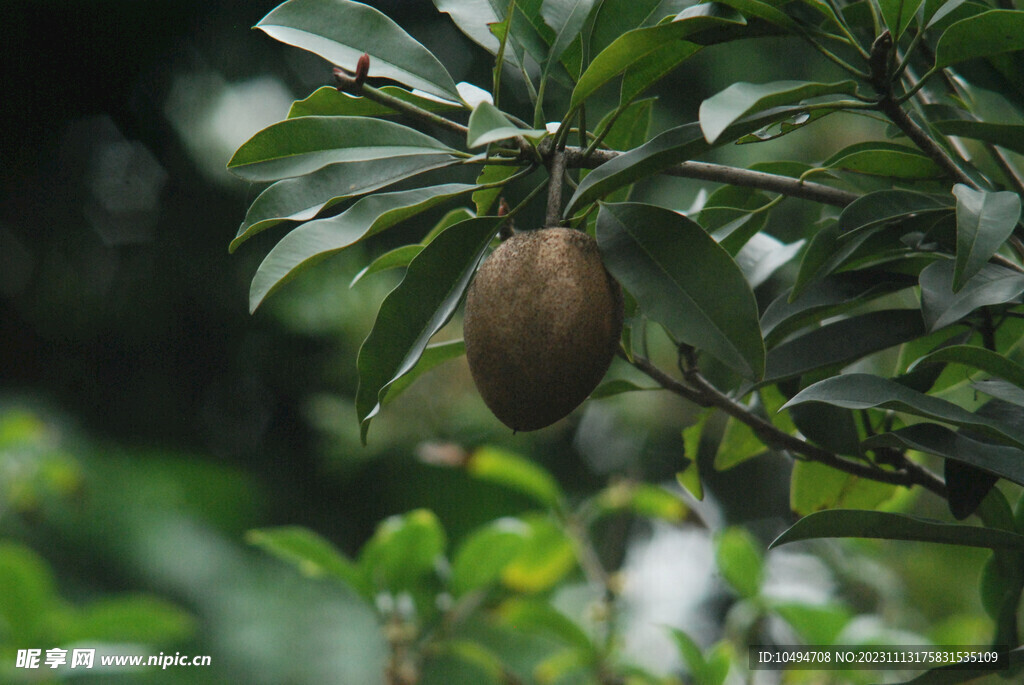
(542, 324)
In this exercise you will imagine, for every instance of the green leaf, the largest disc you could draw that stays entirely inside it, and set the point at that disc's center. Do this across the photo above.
(138, 619)
(329, 101)
(652, 67)
(816, 487)
(879, 158)
(421, 304)
(473, 18)
(313, 555)
(302, 198)
(742, 99)
(684, 280)
(739, 444)
(617, 387)
(766, 11)
(740, 561)
(689, 651)
(941, 307)
(855, 523)
(984, 220)
(863, 391)
(898, 14)
(983, 35)
(316, 240)
(433, 356)
(517, 473)
(642, 498)
(1000, 389)
(403, 550)
(485, 553)
(548, 555)
(816, 624)
(842, 342)
(759, 255)
(294, 147)
(487, 124)
(566, 18)
(29, 594)
(393, 259)
(1009, 136)
(883, 206)
(1001, 460)
(537, 616)
(978, 358)
(484, 199)
(340, 31)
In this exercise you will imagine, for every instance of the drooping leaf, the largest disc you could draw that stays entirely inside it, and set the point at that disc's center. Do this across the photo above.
(898, 14)
(294, 147)
(1002, 460)
(312, 554)
(864, 391)
(880, 158)
(817, 487)
(983, 35)
(487, 124)
(393, 259)
(883, 206)
(941, 307)
(684, 280)
(517, 473)
(302, 198)
(855, 523)
(433, 356)
(421, 304)
(978, 358)
(984, 220)
(742, 99)
(329, 101)
(316, 240)
(340, 31)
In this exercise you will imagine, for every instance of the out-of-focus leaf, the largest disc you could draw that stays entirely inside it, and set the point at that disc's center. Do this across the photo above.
(816, 487)
(864, 391)
(617, 387)
(403, 550)
(548, 555)
(433, 356)
(643, 499)
(421, 304)
(517, 473)
(690, 652)
(941, 307)
(883, 206)
(683, 280)
(1002, 460)
(138, 619)
(295, 147)
(740, 561)
(340, 31)
(29, 594)
(984, 220)
(483, 556)
(855, 523)
(329, 101)
(539, 616)
(315, 240)
(983, 35)
(739, 444)
(841, 342)
(487, 124)
(302, 198)
(880, 158)
(312, 554)
(816, 624)
(742, 99)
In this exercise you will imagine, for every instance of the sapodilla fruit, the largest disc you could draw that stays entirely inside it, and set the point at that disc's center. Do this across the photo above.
(542, 324)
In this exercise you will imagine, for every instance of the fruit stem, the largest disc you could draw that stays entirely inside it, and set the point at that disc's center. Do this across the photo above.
(556, 169)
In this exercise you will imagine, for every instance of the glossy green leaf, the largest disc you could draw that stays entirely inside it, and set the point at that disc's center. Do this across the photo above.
(421, 304)
(984, 220)
(817, 487)
(393, 259)
(855, 523)
(340, 31)
(742, 99)
(797, 119)
(312, 554)
(941, 307)
(879, 158)
(329, 101)
(404, 549)
(740, 561)
(473, 18)
(548, 555)
(485, 198)
(978, 358)
(898, 14)
(294, 147)
(483, 556)
(487, 124)
(767, 11)
(433, 356)
(566, 19)
(842, 342)
(932, 11)
(516, 472)
(883, 206)
(1002, 460)
(652, 67)
(983, 35)
(302, 198)
(1001, 390)
(684, 280)
(315, 240)
(1009, 136)
(864, 391)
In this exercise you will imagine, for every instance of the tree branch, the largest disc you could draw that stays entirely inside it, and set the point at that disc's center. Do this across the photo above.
(556, 169)
(701, 392)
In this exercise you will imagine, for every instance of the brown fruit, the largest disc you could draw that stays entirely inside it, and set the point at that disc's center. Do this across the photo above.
(543, 322)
